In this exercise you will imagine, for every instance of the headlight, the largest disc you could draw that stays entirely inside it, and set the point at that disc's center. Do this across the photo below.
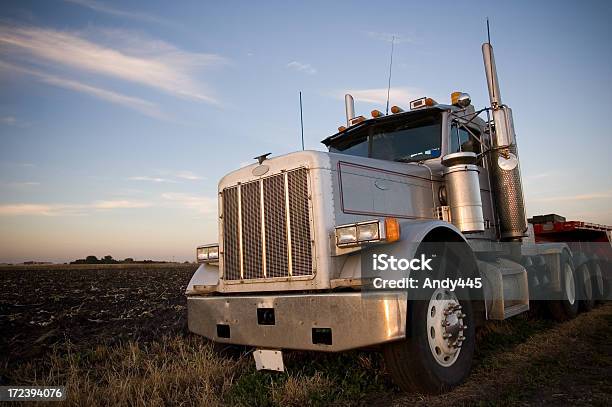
(208, 253)
(346, 235)
(369, 231)
(352, 235)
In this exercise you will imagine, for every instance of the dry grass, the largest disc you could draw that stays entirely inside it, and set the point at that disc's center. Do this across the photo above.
(104, 343)
(172, 371)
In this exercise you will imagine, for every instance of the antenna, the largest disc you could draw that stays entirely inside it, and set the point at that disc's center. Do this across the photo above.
(301, 120)
(493, 79)
(390, 66)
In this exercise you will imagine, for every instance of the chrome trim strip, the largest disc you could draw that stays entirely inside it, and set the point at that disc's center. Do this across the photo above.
(263, 229)
(288, 221)
(240, 231)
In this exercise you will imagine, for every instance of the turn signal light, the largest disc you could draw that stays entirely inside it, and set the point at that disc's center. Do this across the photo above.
(392, 230)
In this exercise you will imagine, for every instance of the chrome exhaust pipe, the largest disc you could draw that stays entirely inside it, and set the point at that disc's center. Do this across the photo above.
(505, 170)
(349, 104)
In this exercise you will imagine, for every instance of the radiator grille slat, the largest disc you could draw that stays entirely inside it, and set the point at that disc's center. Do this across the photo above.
(268, 236)
(251, 230)
(301, 256)
(276, 226)
(230, 233)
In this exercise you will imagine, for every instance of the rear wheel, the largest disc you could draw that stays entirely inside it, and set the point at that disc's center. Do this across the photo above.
(566, 307)
(437, 354)
(587, 300)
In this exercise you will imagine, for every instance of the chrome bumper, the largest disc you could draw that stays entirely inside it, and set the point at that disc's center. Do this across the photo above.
(353, 320)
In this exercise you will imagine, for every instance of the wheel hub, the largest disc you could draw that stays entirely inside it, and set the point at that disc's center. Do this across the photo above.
(445, 326)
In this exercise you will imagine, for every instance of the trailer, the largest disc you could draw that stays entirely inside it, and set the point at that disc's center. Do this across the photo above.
(405, 236)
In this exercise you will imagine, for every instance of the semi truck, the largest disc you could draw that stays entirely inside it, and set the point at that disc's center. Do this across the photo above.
(291, 269)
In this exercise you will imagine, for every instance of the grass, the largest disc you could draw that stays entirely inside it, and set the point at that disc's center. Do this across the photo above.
(521, 361)
(186, 371)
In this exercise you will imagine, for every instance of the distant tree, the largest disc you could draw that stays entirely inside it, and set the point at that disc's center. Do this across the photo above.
(91, 260)
(128, 260)
(108, 259)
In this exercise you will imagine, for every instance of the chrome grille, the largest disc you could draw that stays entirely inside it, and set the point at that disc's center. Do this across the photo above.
(266, 228)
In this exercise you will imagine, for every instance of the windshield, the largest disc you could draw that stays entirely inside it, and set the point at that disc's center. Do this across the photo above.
(417, 140)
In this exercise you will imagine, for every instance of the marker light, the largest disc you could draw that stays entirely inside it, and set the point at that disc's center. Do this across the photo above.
(377, 113)
(460, 99)
(392, 230)
(341, 129)
(357, 120)
(396, 109)
(421, 103)
(455, 97)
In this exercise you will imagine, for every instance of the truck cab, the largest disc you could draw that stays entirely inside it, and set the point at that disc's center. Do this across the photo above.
(298, 232)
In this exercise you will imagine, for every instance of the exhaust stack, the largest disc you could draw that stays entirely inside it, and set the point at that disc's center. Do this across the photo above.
(505, 170)
(349, 103)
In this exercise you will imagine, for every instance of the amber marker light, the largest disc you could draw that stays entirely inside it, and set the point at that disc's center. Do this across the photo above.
(392, 230)
(396, 109)
(455, 97)
(377, 113)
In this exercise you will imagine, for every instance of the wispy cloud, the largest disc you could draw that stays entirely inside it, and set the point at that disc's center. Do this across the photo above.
(13, 121)
(399, 96)
(188, 175)
(113, 11)
(24, 184)
(202, 204)
(388, 37)
(28, 209)
(168, 176)
(151, 63)
(575, 197)
(150, 179)
(120, 204)
(140, 105)
(302, 67)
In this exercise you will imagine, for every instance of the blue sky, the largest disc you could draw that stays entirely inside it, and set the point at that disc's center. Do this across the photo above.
(118, 118)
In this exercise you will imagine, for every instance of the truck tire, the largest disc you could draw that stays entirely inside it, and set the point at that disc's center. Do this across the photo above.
(438, 350)
(566, 307)
(599, 293)
(587, 291)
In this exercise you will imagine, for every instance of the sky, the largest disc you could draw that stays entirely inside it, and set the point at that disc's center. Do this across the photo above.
(117, 119)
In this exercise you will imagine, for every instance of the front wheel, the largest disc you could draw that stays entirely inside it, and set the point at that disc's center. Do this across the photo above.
(438, 350)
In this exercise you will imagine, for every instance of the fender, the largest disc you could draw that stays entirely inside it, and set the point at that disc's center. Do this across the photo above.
(205, 279)
(413, 232)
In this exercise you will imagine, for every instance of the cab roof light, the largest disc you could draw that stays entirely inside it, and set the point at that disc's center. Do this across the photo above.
(341, 129)
(357, 120)
(460, 99)
(396, 109)
(377, 113)
(422, 102)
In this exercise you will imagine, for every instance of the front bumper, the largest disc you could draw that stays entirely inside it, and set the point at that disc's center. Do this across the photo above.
(354, 320)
